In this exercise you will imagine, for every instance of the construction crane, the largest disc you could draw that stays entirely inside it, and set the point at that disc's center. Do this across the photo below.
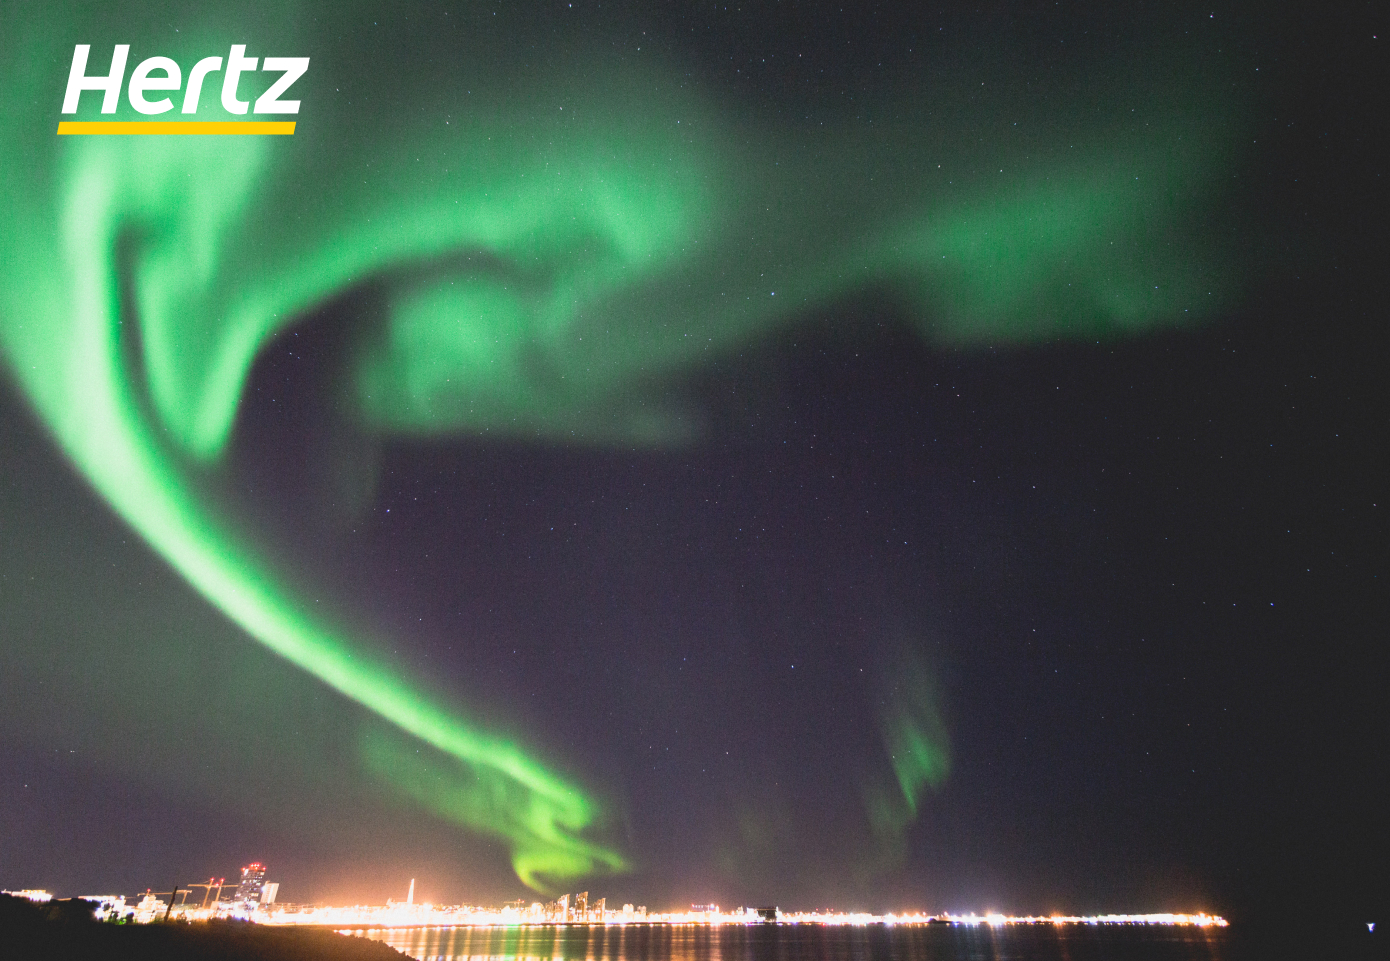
(207, 889)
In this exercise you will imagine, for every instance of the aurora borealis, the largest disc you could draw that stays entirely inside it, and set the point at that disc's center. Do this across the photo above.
(533, 250)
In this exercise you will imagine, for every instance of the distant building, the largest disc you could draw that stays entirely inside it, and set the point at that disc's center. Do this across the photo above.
(268, 892)
(149, 908)
(768, 914)
(109, 906)
(248, 892)
(31, 894)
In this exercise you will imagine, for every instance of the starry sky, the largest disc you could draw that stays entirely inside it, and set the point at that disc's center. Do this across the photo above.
(880, 457)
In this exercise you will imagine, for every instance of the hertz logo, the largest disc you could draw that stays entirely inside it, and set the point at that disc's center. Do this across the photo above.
(162, 74)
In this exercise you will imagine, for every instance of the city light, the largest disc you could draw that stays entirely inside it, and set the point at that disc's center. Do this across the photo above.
(254, 900)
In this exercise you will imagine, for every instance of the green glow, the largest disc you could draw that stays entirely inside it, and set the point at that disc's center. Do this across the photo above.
(148, 221)
(543, 275)
(540, 826)
(915, 738)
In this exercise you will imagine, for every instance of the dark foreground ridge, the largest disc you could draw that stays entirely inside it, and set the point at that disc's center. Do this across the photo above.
(67, 931)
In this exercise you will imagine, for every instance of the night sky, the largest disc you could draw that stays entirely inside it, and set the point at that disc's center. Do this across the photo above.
(943, 591)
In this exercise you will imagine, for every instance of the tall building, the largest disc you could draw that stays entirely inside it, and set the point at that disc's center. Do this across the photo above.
(252, 881)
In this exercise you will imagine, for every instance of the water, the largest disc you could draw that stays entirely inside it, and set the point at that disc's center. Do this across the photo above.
(807, 942)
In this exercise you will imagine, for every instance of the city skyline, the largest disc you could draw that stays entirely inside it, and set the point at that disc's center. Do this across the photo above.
(575, 908)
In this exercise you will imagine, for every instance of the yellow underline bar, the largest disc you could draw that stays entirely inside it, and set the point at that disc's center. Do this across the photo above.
(147, 127)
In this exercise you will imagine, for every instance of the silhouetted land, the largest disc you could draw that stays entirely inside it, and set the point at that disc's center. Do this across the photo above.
(67, 931)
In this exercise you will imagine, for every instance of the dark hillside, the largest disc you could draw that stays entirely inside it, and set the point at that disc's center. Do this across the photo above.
(64, 931)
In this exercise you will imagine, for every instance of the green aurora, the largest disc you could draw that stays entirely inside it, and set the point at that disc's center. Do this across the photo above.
(548, 246)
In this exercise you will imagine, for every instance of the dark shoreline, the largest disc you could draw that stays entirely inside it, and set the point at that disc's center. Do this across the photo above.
(63, 931)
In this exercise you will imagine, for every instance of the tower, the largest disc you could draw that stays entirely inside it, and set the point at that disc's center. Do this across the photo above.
(248, 892)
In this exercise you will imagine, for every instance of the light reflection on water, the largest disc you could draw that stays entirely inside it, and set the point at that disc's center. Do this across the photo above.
(804, 942)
